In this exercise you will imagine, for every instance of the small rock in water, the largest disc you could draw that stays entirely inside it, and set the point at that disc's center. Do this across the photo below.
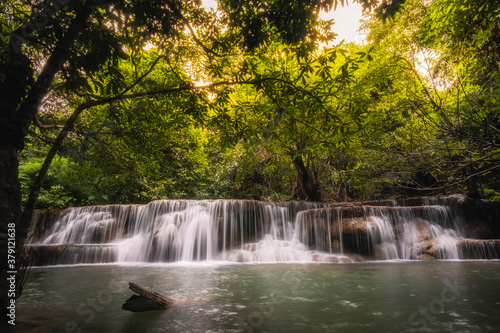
(426, 257)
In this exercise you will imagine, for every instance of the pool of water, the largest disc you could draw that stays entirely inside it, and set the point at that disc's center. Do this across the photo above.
(444, 296)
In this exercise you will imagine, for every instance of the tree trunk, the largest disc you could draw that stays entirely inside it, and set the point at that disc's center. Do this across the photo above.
(10, 213)
(306, 187)
(29, 107)
(146, 301)
(17, 75)
(472, 188)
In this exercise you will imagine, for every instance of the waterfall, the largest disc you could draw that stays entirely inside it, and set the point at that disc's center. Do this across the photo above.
(254, 231)
(425, 230)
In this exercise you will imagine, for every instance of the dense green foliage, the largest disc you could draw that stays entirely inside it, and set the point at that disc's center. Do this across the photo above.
(451, 49)
(413, 111)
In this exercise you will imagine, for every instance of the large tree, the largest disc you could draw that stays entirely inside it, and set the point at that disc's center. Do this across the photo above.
(310, 114)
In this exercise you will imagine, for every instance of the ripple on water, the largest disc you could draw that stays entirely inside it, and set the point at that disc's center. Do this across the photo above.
(349, 304)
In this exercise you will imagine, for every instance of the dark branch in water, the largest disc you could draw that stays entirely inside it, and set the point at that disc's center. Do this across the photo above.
(146, 301)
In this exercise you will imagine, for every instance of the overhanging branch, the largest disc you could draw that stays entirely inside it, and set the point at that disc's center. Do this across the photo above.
(181, 17)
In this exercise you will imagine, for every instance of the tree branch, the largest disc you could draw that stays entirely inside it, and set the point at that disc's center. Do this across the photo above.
(28, 109)
(186, 22)
(143, 75)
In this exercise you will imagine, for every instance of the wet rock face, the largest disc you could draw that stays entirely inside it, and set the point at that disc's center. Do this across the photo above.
(424, 247)
(426, 257)
(482, 219)
(384, 251)
(42, 222)
(356, 225)
(71, 254)
(107, 232)
(355, 237)
(335, 229)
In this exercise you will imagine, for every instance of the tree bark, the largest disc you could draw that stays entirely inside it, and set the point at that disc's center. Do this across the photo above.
(10, 213)
(472, 188)
(306, 187)
(29, 107)
(146, 301)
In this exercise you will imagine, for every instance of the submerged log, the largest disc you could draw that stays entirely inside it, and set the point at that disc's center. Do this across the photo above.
(146, 301)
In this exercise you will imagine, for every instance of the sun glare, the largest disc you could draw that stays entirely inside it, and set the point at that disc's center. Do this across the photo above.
(347, 22)
(210, 4)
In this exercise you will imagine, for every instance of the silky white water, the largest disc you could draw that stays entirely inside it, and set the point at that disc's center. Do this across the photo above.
(249, 231)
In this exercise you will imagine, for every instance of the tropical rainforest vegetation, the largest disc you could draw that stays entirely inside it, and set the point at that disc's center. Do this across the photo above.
(412, 111)
(130, 101)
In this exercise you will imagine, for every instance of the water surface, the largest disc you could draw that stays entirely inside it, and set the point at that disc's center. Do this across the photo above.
(445, 296)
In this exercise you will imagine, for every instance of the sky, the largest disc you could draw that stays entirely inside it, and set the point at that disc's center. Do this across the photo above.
(346, 20)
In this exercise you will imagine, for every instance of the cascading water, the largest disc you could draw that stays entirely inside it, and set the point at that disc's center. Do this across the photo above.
(383, 232)
(175, 230)
(427, 230)
(253, 231)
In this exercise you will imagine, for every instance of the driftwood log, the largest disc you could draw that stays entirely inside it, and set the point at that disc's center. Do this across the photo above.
(146, 300)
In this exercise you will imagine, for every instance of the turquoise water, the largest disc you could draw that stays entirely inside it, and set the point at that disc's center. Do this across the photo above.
(445, 296)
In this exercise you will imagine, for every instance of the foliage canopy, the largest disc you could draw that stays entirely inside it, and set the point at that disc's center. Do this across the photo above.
(184, 102)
